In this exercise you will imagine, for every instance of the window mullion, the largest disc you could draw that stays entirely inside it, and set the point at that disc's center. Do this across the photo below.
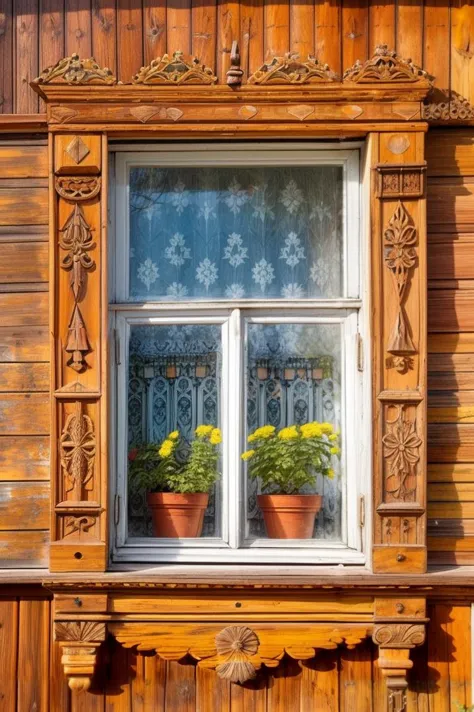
(233, 395)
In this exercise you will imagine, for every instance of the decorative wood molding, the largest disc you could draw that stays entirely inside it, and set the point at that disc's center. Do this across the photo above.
(78, 450)
(73, 70)
(444, 105)
(401, 451)
(290, 70)
(235, 73)
(237, 644)
(399, 635)
(400, 181)
(77, 149)
(400, 238)
(386, 66)
(79, 642)
(175, 70)
(77, 188)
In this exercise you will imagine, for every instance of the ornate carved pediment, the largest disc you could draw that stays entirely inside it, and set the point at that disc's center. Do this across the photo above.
(175, 70)
(445, 105)
(386, 66)
(290, 70)
(73, 70)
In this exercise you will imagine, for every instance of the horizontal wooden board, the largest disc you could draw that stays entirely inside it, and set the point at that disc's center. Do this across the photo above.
(463, 414)
(439, 452)
(24, 233)
(458, 381)
(24, 457)
(450, 153)
(451, 543)
(449, 399)
(450, 492)
(24, 414)
(451, 472)
(24, 505)
(29, 309)
(23, 161)
(24, 377)
(24, 549)
(23, 262)
(450, 206)
(451, 310)
(451, 260)
(451, 363)
(451, 510)
(450, 343)
(19, 206)
(24, 344)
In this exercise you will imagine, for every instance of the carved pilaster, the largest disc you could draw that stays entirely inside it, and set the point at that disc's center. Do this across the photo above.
(79, 641)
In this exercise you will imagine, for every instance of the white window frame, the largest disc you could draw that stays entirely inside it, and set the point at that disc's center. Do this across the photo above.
(349, 310)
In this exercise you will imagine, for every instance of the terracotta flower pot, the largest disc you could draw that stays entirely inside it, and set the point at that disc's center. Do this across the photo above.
(289, 516)
(177, 515)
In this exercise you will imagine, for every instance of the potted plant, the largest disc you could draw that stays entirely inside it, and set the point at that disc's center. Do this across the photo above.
(177, 492)
(285, 462)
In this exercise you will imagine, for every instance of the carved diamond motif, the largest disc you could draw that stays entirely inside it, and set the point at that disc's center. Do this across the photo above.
(301, 111)
(77, 149)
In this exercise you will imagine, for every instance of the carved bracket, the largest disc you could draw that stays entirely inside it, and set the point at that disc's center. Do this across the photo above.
(79, 641)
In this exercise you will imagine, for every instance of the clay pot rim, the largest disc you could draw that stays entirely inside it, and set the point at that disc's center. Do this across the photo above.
(179, 499)
(290, 502)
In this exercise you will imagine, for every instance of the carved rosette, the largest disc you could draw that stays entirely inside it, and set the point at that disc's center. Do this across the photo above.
(290, 70)
(73, 70)
(77, 450)
(400, 239)
(175, 70)
(79, 641)
(237, 644)
(401, 452)
(386, 66)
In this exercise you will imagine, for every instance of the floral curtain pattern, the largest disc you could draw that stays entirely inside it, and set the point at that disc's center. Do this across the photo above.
(235, 233)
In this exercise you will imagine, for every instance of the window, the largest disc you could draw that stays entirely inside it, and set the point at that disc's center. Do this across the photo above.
(238, 302)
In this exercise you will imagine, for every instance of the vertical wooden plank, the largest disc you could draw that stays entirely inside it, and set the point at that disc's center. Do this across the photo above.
(302, 27)
(51, 39)
(252, 44)
(104, 33)
(320, 683)
(438, 665)
(462, 43)
(381, 24)
(117, 687)
(251, 697)
(6, 56)
(436, 41)
(26, 68)
(418, 683)
(328, 40)
(130, 39)
(94, 699)
(203, 35)
(33, 656)
(228, 27)
(178, 26)
(355, 681)
(212, 693)
(277, 29)
(8, 654)
(355, 20)
(460, 655)
(285, 685)
(78, 28)
(59, 696)
(379, 684)
(180, 687)
(409, 26)
(154, 29)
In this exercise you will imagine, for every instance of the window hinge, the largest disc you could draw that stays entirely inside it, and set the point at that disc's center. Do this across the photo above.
(117, 347)
(360, 353)
(116, 509)
(362, 511)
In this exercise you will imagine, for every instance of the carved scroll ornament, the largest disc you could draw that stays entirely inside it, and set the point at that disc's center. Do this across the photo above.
(175, 70)
(77, 188)
(290, 70)
(401, 450)
(385, 66)
(400, 237)
(77, 450)
(73, 70)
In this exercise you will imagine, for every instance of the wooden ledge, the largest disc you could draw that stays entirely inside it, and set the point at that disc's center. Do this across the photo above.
(23, 123)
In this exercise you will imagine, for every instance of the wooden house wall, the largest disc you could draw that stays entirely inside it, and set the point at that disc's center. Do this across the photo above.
(24, 354)
(125, 34)
(334, 681)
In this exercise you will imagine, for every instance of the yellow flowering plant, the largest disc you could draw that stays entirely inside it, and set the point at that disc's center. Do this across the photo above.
(287, 460)
(156, 468)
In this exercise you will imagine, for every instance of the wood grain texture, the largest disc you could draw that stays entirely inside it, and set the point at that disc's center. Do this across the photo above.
(27, 59)
(23, 262)
(178, 26)
(104, 33)
(24, 549)
(23, 344)
(24, 377)
(129, 39)
(78, 28)
(436, 38)
(154, 29)
(24, 457)
(24, 505)
(33, 660)
(8, 653)
(23, 207)
(327, 15)
(24, 309)
(24, 414)
(6, 57)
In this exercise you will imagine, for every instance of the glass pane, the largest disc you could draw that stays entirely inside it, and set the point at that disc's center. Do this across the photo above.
(174, 383)
(294, 377)
(242, 232)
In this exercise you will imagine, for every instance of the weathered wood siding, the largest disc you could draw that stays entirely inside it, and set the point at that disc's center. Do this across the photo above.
(126, 34)
(334, 681)
(450, 158)
(24, 355)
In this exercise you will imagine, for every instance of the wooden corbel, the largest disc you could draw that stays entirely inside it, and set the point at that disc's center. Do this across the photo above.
(79, 642)
(395, 636)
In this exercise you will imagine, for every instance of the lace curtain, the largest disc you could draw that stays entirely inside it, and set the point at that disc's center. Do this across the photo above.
(233, 233)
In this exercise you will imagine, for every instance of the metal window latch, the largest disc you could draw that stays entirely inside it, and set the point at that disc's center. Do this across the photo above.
(360, 353)
(362, 511)
(116, 509)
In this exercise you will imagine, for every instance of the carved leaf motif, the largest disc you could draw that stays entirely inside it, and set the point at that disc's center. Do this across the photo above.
(290, 70)
(399, 635)
(401, 445)
(301, 111)
(77, 449)
(79, 631)
(238, 643)
(77, 341)
(175, 70)
(385, 66)
(77, 188)
(72, 70)
(76, 239)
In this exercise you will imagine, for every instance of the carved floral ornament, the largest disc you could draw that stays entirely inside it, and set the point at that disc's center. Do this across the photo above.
(386, 66)
(175, 70)
(290, 70)
(77, 450)
(401, 451)
(73, 70)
